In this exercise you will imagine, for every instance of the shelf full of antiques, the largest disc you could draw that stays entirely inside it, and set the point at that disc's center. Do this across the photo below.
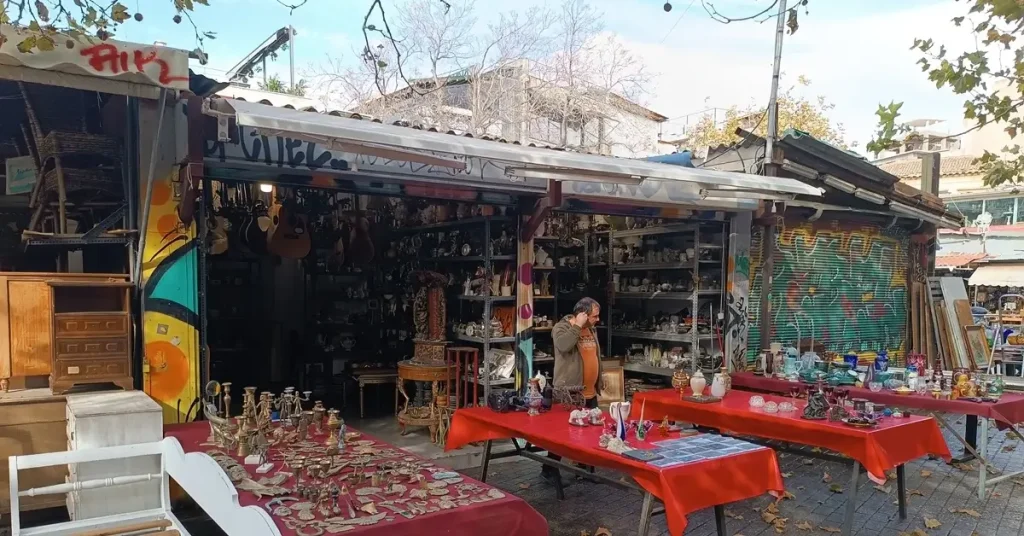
(570, 262)
(321, 476)
(666, 298)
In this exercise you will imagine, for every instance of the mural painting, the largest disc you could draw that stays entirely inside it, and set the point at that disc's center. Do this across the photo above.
(842, 286)
(170, 302)
(524, 314)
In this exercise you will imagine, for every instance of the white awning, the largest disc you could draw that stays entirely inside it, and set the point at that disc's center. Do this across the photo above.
(521, 161)
(998, 275)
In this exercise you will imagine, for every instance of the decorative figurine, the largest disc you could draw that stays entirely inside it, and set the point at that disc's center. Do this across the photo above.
(534, 398)
(663, 428)
(596, 417)
(817, 406)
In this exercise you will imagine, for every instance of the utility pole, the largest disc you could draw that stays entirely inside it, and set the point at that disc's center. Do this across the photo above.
(771, 169)
(773, 100)
(291, 55)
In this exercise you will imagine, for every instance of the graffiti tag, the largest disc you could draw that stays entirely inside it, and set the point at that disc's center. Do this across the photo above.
(106, 57)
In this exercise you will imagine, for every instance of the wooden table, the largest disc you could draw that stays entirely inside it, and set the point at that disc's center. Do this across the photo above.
(887, 446)
(375, 378)
(1007, 412)
(683, 488)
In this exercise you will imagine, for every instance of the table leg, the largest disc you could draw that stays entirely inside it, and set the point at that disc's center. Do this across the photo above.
(361, 407)
(396, 398)
(970, 439)
(486, 461)
(901, 490)
(982, 447)
(645, 514)
(720, 519)
(851, 501)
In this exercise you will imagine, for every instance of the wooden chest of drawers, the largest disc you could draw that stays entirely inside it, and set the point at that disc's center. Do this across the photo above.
(28, 327)
(91, 334)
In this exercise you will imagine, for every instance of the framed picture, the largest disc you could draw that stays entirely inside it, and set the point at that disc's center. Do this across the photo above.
(613, 388)
(977, 345)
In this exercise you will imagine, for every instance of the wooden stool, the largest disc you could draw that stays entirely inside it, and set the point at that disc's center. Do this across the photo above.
(454, 357)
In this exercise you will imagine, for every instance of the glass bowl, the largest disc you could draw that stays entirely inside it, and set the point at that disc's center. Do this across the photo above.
(875, 386)
(757, 401)
(786, 407)
(771, 407)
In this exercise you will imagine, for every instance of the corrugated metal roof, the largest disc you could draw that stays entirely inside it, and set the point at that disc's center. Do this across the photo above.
(910, 168)
(956, 260)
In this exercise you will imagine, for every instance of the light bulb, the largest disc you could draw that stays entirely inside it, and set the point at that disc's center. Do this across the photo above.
(266, 188)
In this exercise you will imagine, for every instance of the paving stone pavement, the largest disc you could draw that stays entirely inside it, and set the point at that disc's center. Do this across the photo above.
(934, 489)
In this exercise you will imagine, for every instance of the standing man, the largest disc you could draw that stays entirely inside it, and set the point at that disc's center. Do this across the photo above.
(577, 358)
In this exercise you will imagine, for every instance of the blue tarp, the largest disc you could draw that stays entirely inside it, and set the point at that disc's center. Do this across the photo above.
(683, 158)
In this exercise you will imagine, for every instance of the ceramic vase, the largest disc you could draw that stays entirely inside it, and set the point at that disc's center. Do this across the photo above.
(534, 398)
(698, 383)
(720, 385)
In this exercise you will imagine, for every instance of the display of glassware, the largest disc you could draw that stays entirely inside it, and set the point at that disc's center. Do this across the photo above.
(757, 401)
(786, 407)
(875, 386)
(770, 407)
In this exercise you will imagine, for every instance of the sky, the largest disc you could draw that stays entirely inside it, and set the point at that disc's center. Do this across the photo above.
(856, 54)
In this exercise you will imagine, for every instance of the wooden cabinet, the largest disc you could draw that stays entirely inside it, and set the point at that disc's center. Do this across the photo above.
(27, 322)
(111, 419)
(91, 329)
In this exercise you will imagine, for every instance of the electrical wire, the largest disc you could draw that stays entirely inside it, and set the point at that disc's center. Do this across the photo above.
(670, 30)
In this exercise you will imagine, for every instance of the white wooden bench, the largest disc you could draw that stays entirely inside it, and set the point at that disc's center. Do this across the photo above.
(197, 474)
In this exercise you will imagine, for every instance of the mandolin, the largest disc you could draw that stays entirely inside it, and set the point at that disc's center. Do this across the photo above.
(288, 234)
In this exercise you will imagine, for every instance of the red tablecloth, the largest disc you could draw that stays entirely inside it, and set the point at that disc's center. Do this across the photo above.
(508, 516)
(879, 449)
(1009, 410)
(683, 488)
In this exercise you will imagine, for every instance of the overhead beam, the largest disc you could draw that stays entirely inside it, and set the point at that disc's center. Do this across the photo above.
(540, 212)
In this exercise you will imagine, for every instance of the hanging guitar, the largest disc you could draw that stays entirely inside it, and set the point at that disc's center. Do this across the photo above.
(288, 235)
(259, 225)
(217, 226)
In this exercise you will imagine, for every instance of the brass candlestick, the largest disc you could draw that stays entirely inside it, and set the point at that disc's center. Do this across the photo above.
(227, 399)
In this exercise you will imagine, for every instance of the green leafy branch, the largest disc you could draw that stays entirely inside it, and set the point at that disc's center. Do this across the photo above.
(993, 90)
(54, 23)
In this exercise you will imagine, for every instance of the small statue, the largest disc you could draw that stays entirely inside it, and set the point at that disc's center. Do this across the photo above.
(664, 427)
(817, 406)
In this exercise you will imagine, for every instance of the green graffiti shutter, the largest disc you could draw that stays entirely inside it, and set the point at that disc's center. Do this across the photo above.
(842, 284)
(754, 300)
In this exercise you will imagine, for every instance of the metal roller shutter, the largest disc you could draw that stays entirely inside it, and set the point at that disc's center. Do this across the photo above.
(842, 284)
(754, 299)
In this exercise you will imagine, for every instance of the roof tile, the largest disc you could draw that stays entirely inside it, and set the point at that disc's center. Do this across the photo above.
(951, 165)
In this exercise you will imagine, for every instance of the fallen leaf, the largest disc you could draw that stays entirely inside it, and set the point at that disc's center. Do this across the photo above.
(884, 489)
(807, 462)
(925, 474)
(768, 517)
(932, 523)
(965, 511)
(733, 515)
(816, 450)
(915, 532)
(772, 508)
(967, 467)
(601, 531)
(996, 494)
(1009, 448)
(803, 525)
(800, 488)
(827, 478)
(975, 533)
(524, 485)
(891, 475)
(1018, 481)
(788, 495)
(912, 492)
(835, 488)
(831, 530)
(584, 533)
(787, 475)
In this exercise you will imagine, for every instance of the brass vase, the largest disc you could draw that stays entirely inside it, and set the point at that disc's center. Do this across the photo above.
(318, 415)
(680, 379)
(333, 424)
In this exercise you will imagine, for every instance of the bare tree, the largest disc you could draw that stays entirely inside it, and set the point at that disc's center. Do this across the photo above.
(532, 76)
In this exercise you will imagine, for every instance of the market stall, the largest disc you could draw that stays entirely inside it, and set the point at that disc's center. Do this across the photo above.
(1007, 410)
(686, 474)
(874, 443)
(313, 475)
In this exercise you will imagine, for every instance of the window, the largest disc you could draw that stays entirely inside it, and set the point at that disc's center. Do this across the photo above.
(1002, 210)
(970, 210)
